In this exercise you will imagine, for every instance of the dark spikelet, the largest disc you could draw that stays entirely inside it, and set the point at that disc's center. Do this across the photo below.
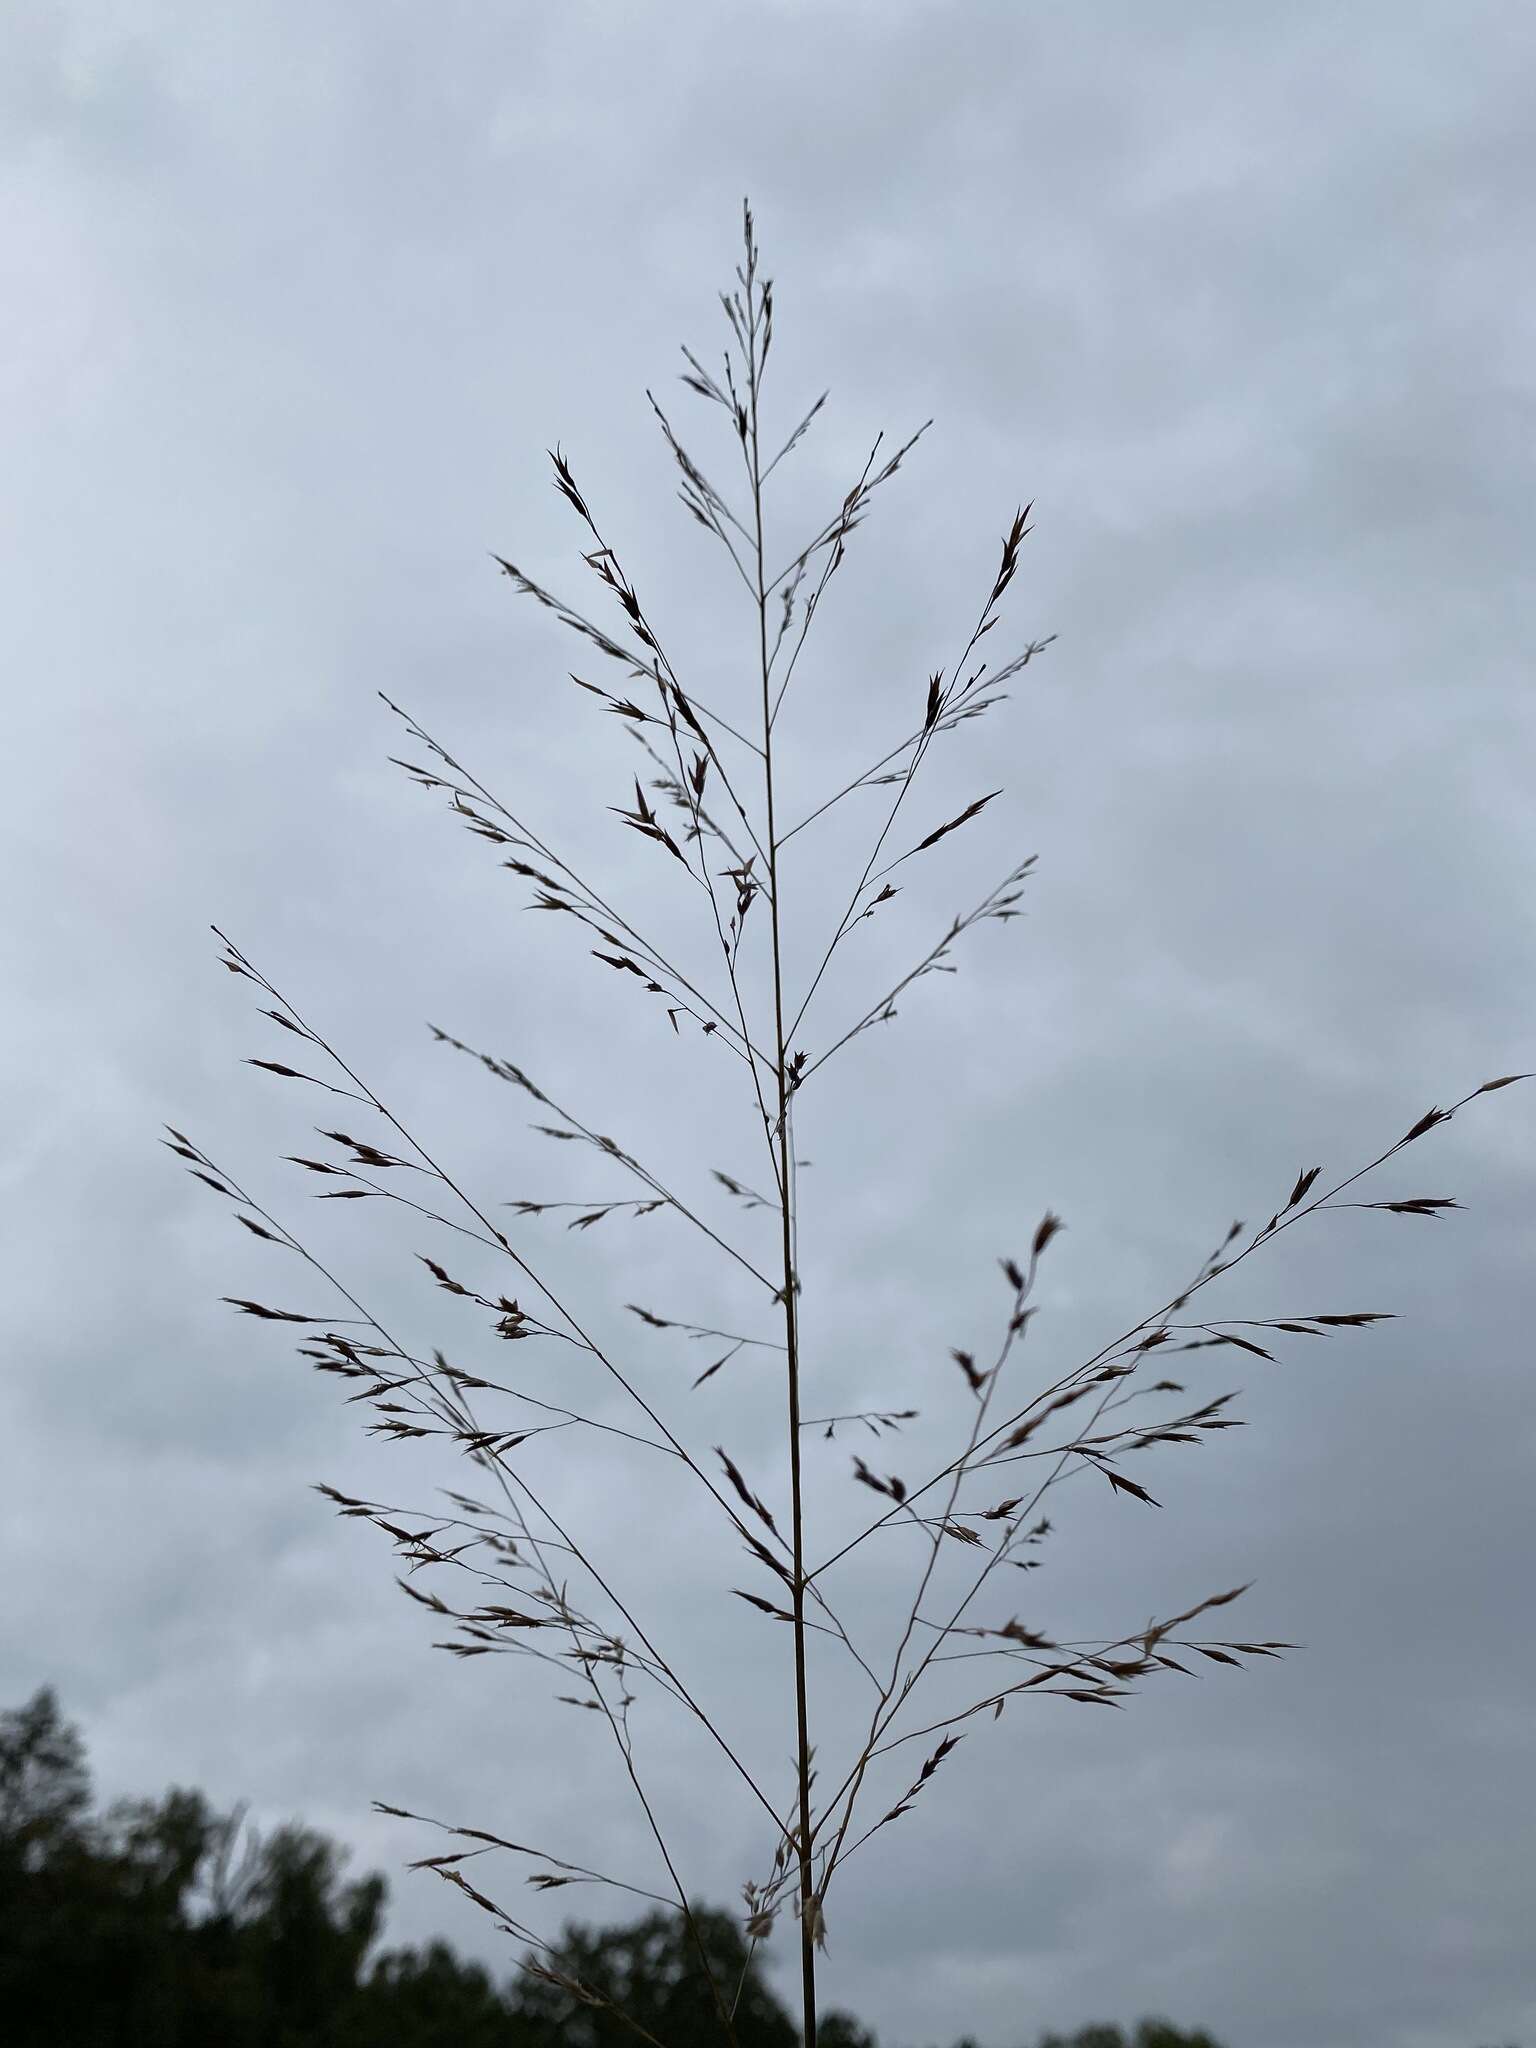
(974, 1380)
(258, 1230)
(744, 1492)
(1050, 1225)
(763, 1606)
(891, 1486)
(1427, 1122)
(972, 810)
(1243, 1344)
(270, 1315)
(1123, 1485)
(1302, 1185)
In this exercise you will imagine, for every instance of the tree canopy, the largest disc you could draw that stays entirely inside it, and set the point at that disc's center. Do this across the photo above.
(161, 1923)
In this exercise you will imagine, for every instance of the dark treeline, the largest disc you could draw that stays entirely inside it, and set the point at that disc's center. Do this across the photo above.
(164, 1924)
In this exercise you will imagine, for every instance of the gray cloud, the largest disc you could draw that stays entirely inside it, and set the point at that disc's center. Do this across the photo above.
(1240, 299)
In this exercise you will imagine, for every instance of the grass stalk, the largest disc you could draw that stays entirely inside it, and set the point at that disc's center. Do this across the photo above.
(520, 1580)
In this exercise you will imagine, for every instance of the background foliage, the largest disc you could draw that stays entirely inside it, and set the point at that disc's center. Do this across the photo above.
(160, 1923)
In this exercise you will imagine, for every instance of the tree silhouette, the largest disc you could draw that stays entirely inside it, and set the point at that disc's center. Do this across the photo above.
(45, 1788)
(162, 1923)
(652, 1976)
(1151, 2033)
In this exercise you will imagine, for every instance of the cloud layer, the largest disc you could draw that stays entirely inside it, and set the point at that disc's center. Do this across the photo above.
(1240, 300)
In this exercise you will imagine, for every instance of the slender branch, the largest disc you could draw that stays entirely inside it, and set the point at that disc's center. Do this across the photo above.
(884, 1711)
(973, 708)
(941, 699)
(460, 1410)
(506, 1071)
(997, 903)
(1282, 1220)
(244, 966)
(592, 896)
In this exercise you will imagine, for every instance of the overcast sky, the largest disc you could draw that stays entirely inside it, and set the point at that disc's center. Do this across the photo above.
(1241, 298)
